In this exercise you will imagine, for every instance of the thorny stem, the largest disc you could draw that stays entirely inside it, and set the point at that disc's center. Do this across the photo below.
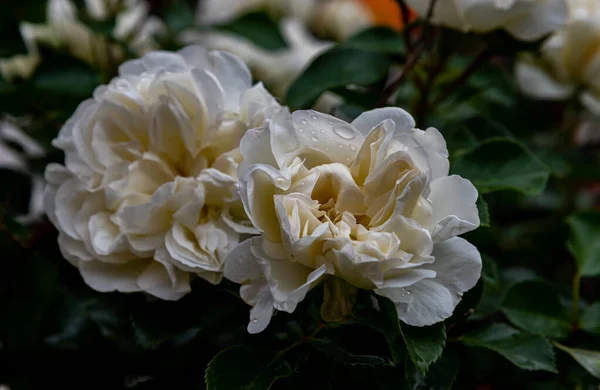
(481, 57)
(413, 57)
(405, 30)
(576, 288)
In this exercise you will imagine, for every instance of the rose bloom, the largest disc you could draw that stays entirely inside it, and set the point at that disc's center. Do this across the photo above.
(570, 60)
(526, 20)
(148, 193)
(370, 203)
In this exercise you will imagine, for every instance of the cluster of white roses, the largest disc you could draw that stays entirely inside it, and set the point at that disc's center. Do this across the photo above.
(180, 159)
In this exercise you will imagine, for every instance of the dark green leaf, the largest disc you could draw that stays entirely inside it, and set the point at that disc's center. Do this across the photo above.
(584, 242)
(590, 360)
(259, 29)
(484, 212)
(337, 67)
(535, 307)
(525, 350)
(441, 374)
(424, 344)
(380, 314)
(590, 319)
(467, 304)
(245, 367)
(503, 164)
(380, 39)
(342, 356)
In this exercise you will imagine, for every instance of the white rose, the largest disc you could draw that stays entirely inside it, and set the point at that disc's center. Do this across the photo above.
(369, 202)
(148, 193)
(526, 20)
(570, 60)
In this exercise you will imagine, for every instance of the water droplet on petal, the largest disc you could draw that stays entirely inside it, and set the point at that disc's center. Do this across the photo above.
(353, 147)
(301, 130)
(330, 123)
(314, 117)
(304, 122)
(344, 131)
(315, 139)
(322, 130)
(341, 146)
(254, 320)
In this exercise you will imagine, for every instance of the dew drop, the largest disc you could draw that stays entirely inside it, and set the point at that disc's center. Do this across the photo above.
(322, 130)
(301, 130)
(315, 139)
(304, 122)
(254, 320)
(302, 183)
(341, 146)
(344, 131)
(348, 159)
(314, 117)
(353, 147)
(330, 123)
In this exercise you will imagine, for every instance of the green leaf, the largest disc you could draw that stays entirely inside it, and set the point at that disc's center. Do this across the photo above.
(337, 67)
(245, 367)
(525, 350)
(484, 212)
(590, 319)
(424, 344)
(441, 375)
(258, 28)
(590, 360)
(584, 242)
(535, 307)
(380, 313)
(342, 356)
(503, 164)
(467, 304)
(380, 39)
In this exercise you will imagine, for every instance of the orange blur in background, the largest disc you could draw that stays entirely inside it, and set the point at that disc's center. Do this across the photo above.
(387, 13)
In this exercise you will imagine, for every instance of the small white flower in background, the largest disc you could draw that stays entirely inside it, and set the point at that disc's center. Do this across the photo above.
(276, 69)
(369, 202)
(527, 20)
(337, 19)
(570, 60)
(148, 194)
(64, 30)
(14, 160)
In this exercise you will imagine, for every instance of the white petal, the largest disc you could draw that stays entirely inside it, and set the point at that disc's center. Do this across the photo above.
(537, 83)
(458, 268)
(370, 119)
(545, 17)
(454, 210)
(106, 277)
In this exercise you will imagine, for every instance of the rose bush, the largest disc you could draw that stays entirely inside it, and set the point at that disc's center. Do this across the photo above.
(369, 202)
(148, 192)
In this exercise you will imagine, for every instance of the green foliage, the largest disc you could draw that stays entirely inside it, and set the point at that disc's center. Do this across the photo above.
(255, 369)
(259, 29)
(584, 242)
(424, 344)
(527, 351)
(590, 360)
(535, 307)
(503, 164)
(337, 67)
